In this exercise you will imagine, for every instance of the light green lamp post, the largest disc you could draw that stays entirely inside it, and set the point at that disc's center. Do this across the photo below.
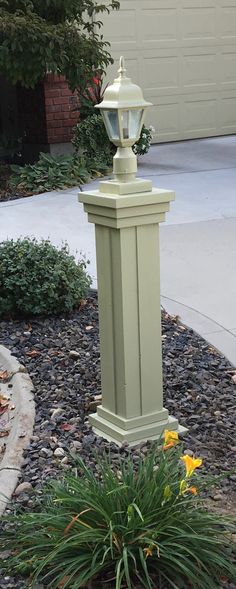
(126, 212)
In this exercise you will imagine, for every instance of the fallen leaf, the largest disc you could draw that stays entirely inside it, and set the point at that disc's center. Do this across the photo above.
(3, 401)
(33, 353)
(4, 374)
(83, 302)
(4, 433)
(212, 351)
(3, 410)
(56, 411)
(4, 404)
(97, 400)
(67, 427)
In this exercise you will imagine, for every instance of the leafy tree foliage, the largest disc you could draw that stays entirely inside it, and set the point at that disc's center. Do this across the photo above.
(60, 36)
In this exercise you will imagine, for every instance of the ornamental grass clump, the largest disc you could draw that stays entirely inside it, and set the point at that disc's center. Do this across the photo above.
(129, 525)
(37, 278)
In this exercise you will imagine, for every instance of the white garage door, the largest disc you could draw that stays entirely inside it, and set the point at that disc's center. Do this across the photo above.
(183, 54)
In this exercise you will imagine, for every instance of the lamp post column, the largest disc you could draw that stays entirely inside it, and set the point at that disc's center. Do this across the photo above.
(126, 212)
(127, 248)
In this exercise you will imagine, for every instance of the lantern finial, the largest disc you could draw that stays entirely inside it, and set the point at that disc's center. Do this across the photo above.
(122, 69)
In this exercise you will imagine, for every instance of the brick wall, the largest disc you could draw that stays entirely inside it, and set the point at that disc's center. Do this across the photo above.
(60, 103)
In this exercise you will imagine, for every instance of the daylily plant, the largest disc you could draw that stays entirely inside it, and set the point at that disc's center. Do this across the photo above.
(171, 438)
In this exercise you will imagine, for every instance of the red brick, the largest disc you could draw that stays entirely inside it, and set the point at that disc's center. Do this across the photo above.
(48, 101)
(49, 116)
(62, 115)
(67, 123)
(65, 107)
(52, 92)
(74, 115)
(61, 100)
(53, 124)
(59, 130)
(55, 108)
(66, 92)
(64, 86)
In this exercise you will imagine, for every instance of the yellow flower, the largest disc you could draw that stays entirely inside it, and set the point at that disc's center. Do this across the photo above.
(191, 464)
(170, 439)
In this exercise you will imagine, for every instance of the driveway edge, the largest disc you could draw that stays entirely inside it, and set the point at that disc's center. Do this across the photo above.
(22, 423)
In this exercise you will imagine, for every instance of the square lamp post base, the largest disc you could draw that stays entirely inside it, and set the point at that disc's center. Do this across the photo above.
(128, 271)
(134, 431)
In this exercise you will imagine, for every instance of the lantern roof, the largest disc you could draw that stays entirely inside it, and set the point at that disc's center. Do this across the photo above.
(123, 94)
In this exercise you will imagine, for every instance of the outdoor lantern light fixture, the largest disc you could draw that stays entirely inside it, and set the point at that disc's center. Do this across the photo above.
(123, 109)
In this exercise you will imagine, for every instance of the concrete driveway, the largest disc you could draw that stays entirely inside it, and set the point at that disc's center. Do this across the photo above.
(198, 240)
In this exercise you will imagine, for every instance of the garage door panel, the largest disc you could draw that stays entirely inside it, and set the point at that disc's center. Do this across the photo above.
(158, 26)
(120, 27)
(198, 23)
(228, 113)
(199, 70)
(167, 116)
(228, 68)
(199, 115)
(161, 73)
(227, 16)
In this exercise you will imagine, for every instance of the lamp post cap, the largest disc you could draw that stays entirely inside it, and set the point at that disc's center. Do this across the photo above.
(122, 94)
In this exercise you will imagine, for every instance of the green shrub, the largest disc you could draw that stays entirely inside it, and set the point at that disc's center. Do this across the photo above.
(132, 525)
(50, 173)
(91, 138)
(37, 278)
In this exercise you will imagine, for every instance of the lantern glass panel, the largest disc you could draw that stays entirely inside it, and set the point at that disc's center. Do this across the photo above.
(112, 123)
(131, 122)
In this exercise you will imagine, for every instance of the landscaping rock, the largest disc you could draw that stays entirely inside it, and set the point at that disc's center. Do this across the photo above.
(23, 488)
(59, 452)
(198, 390)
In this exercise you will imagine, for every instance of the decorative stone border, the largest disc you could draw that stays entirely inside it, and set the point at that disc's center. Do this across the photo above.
(21, 423)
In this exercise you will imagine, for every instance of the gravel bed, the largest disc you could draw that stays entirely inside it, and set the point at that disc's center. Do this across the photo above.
(62, 358)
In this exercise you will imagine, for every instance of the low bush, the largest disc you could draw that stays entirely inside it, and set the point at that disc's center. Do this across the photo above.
(92, 140)
(132, 525)
(50, 173)
(36, 278)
